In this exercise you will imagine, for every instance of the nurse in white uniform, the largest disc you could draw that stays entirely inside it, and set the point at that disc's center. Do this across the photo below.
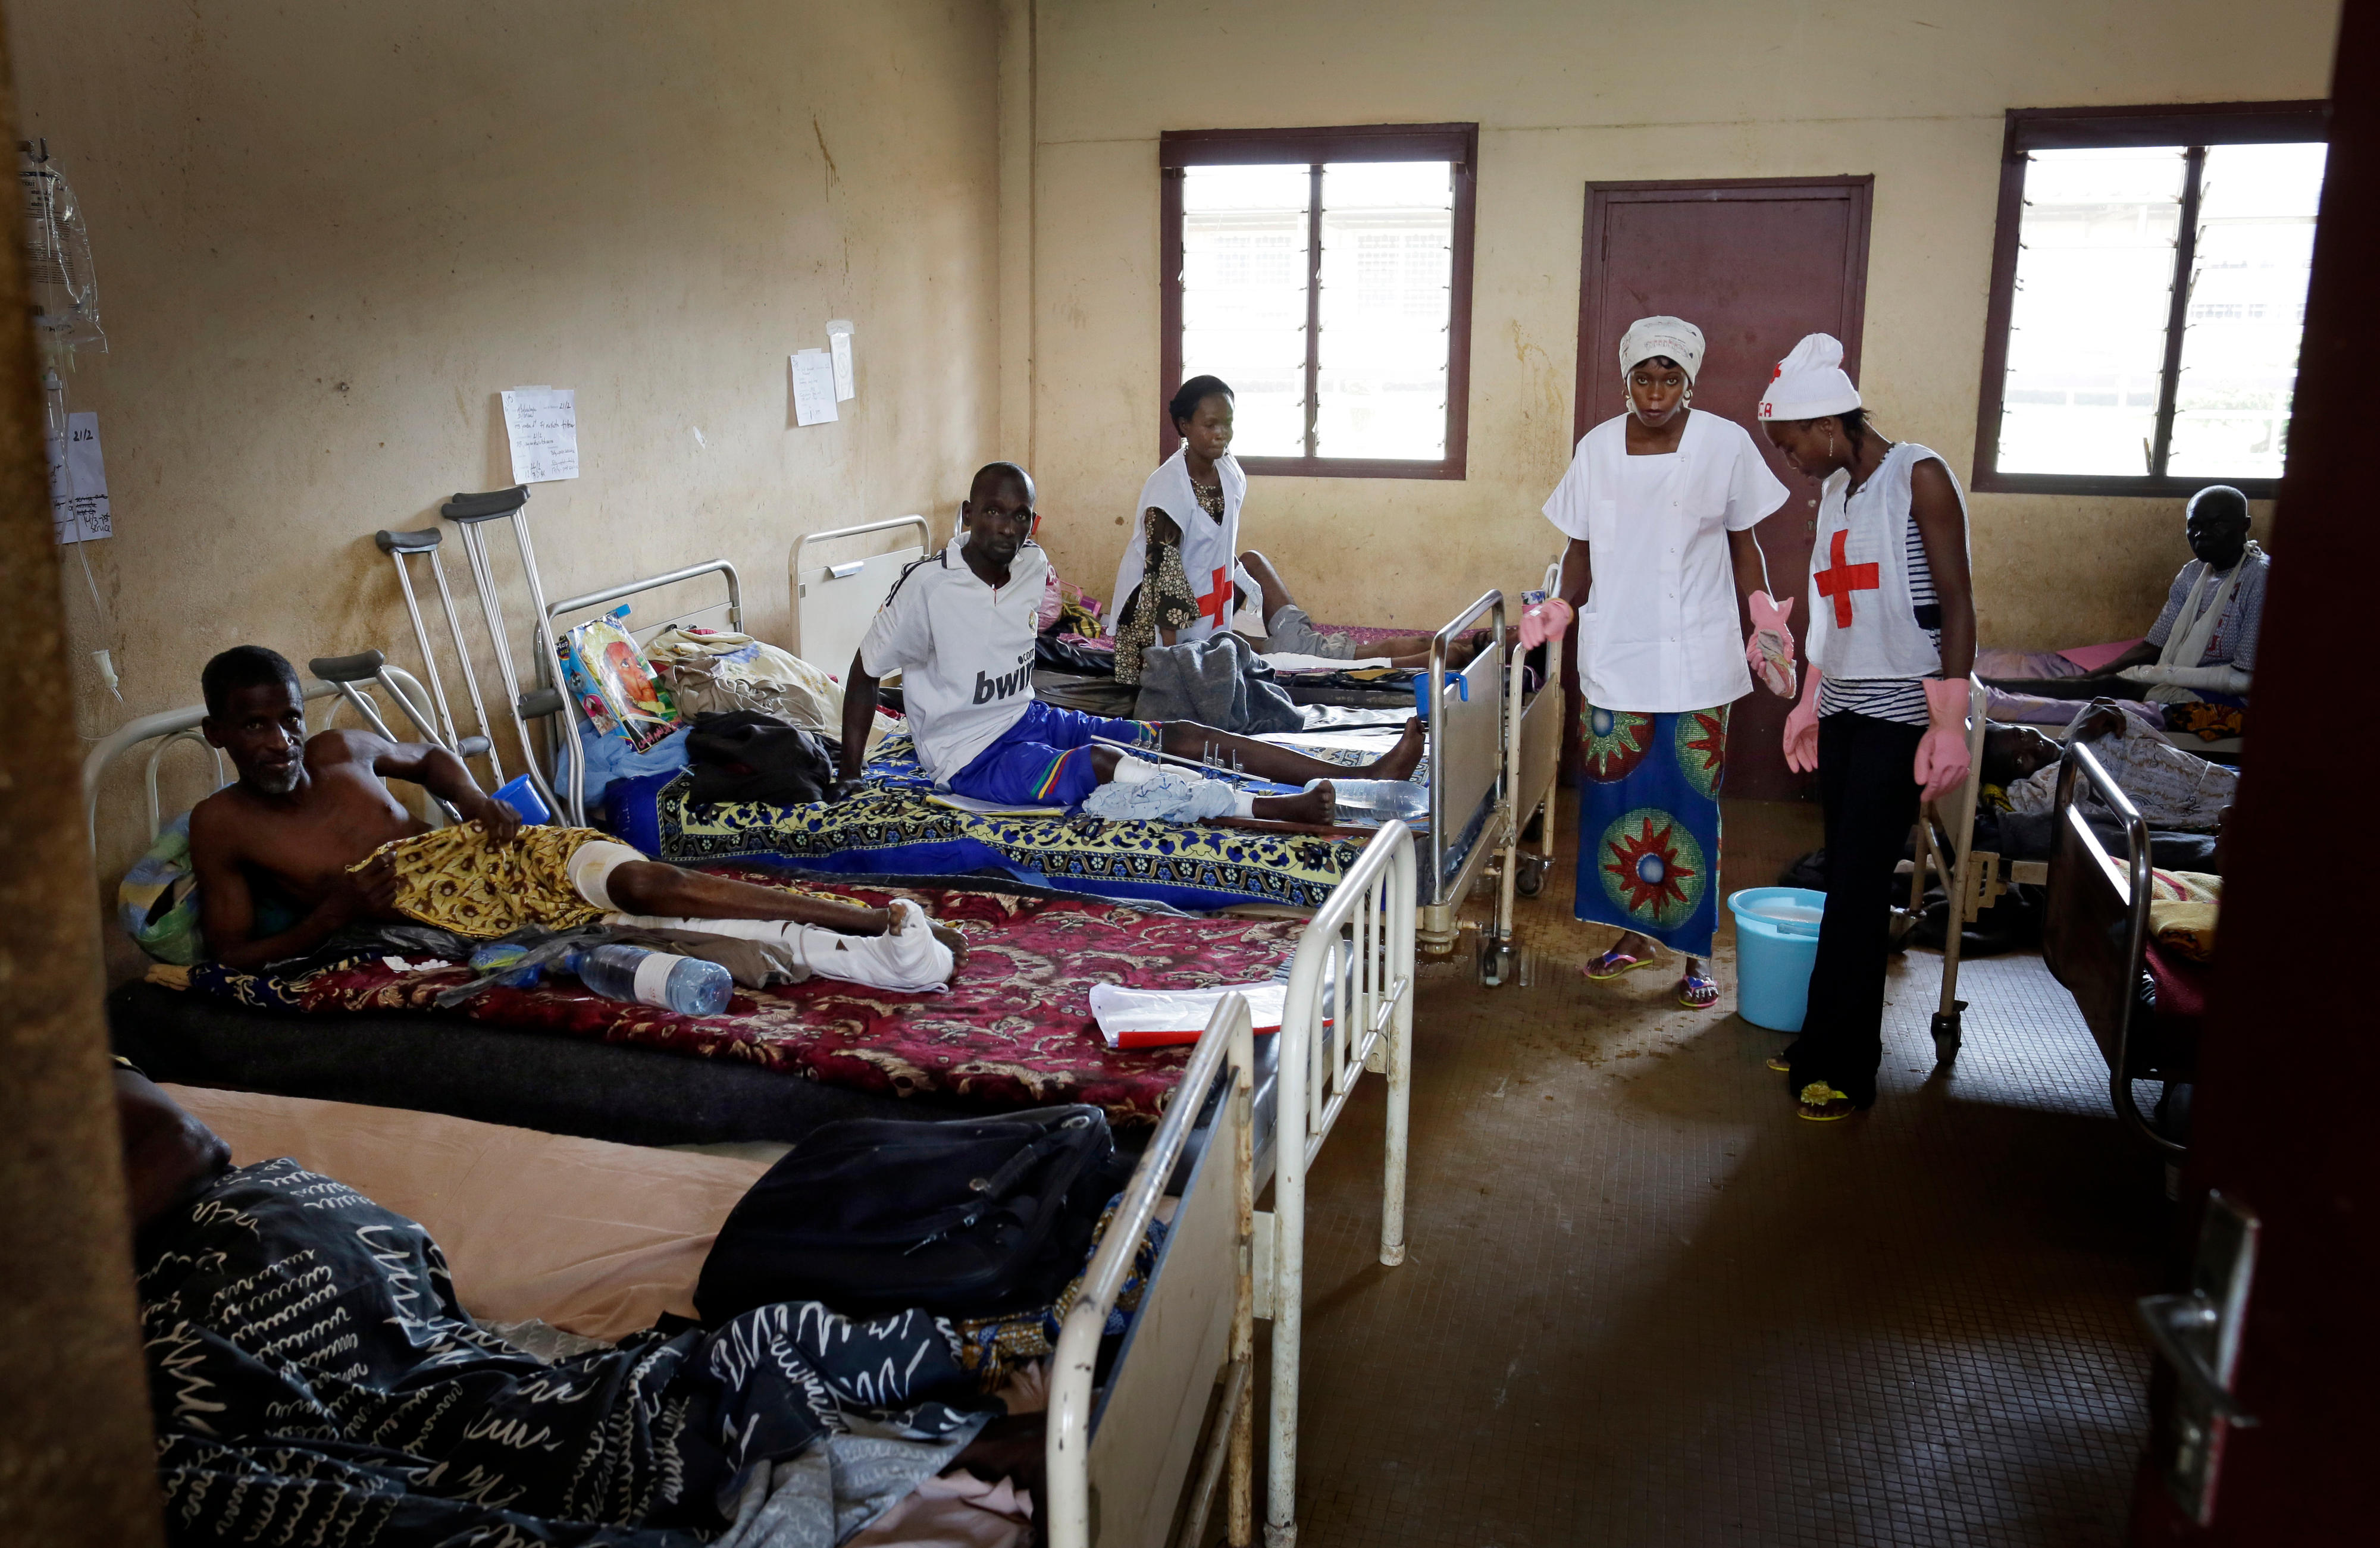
(1658, 505)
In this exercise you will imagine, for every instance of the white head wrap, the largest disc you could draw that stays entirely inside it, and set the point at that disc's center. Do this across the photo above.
(1810, 382)
(1672, 336)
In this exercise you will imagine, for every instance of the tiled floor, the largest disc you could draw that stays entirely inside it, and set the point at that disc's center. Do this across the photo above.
(1645, 1304)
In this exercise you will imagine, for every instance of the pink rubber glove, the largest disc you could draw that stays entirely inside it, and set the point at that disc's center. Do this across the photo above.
(1549, 620)
(1942, 758)
(1801, 726)
(1769, 651)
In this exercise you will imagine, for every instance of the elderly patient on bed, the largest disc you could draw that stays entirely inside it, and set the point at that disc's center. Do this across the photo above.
(311, 816)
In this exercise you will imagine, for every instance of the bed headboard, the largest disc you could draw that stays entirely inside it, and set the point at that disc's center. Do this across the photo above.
(832, 604)
(169, 726)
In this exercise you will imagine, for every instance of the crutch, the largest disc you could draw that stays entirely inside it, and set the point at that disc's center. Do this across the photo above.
(344, 673)
(469, 512)
(397, 545)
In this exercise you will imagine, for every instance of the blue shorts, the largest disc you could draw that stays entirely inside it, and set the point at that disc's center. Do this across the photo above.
(1045, 758)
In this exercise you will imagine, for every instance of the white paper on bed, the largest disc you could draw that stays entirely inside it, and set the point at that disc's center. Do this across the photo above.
(1157, 1017)
(995, 808)
(1289, 661)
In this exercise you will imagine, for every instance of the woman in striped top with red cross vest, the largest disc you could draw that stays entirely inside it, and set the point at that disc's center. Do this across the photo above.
(1890, 641)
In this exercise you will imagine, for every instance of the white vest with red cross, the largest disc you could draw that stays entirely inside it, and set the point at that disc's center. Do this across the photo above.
(1210, 549)
(1863, 622)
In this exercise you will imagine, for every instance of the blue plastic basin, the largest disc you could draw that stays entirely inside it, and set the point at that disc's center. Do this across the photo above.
(1776, 943)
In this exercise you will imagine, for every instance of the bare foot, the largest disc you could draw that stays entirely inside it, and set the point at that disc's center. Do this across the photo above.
(955, 941)
(1316, 806)
(1402, 758)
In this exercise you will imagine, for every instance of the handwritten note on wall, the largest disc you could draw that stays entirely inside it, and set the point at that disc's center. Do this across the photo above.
(543, 425)
(78, 507)
(813, 387)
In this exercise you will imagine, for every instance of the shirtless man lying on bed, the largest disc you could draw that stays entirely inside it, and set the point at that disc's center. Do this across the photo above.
(959, 627)
(310, 816)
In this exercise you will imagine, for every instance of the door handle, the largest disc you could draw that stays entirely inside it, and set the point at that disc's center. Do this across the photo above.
(2178, 1326)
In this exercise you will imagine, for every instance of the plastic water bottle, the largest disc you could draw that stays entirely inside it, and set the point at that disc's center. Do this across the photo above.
(686, 984)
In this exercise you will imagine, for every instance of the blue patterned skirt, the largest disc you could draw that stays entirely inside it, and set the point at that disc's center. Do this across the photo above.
(1649, 824)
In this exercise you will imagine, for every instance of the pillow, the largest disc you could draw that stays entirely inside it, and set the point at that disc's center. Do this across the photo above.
(158, 899)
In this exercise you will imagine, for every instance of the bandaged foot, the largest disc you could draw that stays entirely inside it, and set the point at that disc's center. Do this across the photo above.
(910, 957)
(1769, 651)
(1142, 791)
(1941, 762)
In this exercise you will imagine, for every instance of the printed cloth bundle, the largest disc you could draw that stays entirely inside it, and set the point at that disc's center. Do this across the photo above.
(2182, 910)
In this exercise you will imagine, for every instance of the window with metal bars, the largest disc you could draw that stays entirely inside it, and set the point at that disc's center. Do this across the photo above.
(1325, 274)
(2148, 295)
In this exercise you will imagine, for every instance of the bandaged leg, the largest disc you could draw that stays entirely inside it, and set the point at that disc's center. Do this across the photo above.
(591, 866)
(908, 957)
(1152, 792)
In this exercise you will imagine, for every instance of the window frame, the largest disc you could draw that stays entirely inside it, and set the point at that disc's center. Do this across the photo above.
(1457, 143)
(2193, 126)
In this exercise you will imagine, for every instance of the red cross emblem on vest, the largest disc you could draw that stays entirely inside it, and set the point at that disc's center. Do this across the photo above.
(1845, 578)
(1217, 603)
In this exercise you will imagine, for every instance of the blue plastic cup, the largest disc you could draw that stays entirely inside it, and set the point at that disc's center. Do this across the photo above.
(521, 796)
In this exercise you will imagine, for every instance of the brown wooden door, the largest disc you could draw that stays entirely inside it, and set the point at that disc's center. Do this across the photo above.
(2287, 1061)
(1756, 264)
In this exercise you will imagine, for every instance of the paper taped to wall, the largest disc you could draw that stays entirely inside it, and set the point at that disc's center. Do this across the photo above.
(838, 342)
(78, 507)
(813, 387)
(541, 423)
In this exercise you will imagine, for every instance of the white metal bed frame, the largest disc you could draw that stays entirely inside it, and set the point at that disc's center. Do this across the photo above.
(169, 726)
(1118, 1459)
(833, 602)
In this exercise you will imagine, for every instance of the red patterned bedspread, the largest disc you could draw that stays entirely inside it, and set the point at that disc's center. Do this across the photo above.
(1014, 1030)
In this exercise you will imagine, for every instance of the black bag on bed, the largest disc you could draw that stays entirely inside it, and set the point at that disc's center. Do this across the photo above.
(875, 1216)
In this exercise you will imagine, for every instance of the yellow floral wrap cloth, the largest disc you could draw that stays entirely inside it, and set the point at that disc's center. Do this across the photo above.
(455, 878)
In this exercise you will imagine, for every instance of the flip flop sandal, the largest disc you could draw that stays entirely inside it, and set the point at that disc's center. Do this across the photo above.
(1779, 1063)
(1821, 1103)
(1697, 991)
(1611, 965)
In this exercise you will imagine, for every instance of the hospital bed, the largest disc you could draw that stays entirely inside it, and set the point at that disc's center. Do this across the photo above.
(1348, 1012)
(2096, 939)
(599, 1238)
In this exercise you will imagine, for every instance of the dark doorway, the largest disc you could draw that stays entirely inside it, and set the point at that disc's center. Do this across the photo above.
(1754, 263)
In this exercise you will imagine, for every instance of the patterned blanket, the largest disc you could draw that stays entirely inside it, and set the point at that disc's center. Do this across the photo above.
(896, 829)
(1014, 1030)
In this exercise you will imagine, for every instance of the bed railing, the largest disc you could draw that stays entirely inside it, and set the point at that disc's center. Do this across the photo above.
(2095, 937)
(1349, 1009)
(549, 634)
(1226, 1052)
(169, 726)
(1468, 812)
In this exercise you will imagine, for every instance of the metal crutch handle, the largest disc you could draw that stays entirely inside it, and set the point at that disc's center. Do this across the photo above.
(361, 667)
(485, 507)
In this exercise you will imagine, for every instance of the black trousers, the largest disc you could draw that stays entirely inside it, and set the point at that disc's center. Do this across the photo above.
(1870, 794)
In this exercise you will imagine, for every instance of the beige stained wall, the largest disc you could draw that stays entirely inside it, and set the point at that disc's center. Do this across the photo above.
(327, 237)
(1566, 94)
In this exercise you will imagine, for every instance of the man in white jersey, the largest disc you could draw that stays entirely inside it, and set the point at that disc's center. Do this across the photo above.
(959, 628)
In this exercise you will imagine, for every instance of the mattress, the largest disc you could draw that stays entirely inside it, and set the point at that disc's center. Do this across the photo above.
(1014, 1030)
(896, 828)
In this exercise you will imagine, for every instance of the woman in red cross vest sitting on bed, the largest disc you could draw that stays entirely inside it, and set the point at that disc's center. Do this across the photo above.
(1883, 716)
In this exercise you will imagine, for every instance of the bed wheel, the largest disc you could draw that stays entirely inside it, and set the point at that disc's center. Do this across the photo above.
(1495, 960)
(1529, 878)
(1946, 1037)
